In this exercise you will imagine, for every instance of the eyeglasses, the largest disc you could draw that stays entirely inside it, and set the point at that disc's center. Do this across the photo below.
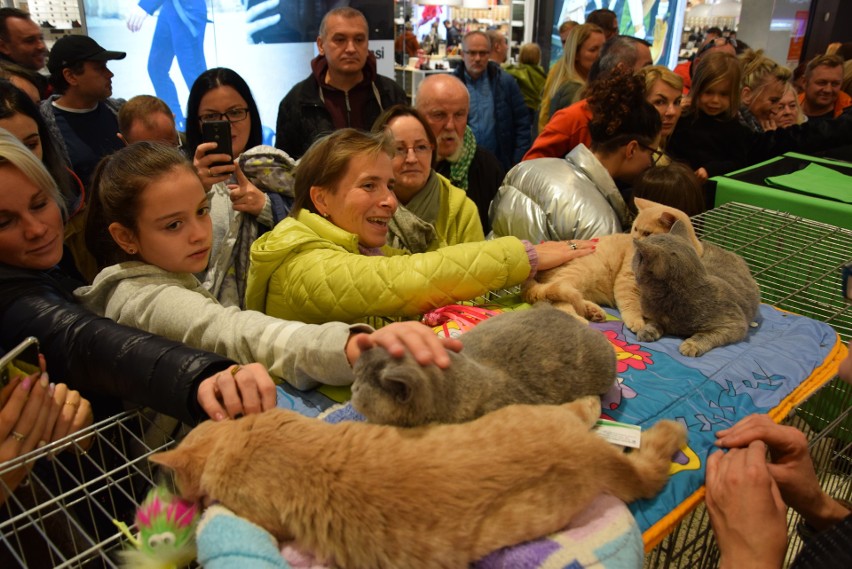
(717, 42)
(656, 155)
(231, 115)
(420, 150)
(474, 53)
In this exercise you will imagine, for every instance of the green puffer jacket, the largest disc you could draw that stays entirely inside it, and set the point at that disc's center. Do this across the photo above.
(458, 221)
(310, 270)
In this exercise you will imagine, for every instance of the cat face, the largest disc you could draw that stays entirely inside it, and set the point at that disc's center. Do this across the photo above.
(669, 256)
(187, 461)
(394, 391)
(654, 218)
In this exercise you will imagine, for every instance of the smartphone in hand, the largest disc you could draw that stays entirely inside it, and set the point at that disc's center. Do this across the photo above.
(220, 133)
(21, 361)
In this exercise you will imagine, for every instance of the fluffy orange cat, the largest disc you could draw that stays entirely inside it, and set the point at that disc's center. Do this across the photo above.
(371, 496)
(606, 277)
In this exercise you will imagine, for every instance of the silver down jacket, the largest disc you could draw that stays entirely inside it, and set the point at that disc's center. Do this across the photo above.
(550, 199)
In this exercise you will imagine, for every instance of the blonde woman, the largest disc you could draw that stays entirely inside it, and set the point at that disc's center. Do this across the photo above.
(762, 86)
(568, 75)
(664, 90)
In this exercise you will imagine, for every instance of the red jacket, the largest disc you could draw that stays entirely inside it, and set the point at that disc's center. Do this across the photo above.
(566, 129)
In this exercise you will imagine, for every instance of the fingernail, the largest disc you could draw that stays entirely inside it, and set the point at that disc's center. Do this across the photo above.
(51, 389)
(27, 383)
(218, 417)
(44, 381)
(596, 239)
(41, 444)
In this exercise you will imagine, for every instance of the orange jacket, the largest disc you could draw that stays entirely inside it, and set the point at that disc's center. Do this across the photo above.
(843, 101)
(566, 129)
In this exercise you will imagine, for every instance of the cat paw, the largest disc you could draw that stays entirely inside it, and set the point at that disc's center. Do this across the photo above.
(568, 308)
(692, 349)
(665, 437)
(594, 313)
(633, 323)
(649, 333)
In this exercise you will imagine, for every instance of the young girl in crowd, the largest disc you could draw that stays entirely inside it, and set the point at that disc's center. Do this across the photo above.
(86, 351)
(240, 210)
(674, 185)
(709, 137)
(150, 229)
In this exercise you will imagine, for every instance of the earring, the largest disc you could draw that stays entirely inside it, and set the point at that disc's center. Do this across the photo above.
(325, 215)
(131, 251)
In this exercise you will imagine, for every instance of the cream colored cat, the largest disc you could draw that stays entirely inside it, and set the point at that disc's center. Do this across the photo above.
(371, 496)
(606, 276)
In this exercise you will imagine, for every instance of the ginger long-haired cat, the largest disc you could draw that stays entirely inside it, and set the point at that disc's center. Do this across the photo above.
(372, 496)
(606, 276)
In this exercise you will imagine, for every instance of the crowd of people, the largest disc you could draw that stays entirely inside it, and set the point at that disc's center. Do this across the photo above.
(156, 269)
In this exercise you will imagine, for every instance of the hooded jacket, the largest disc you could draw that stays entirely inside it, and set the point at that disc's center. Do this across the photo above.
(309, 269)
(313, 108)
(555, 199)
(96, 355)
(176, 306)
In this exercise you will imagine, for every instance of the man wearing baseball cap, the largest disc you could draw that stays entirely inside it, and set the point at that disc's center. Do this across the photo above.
(81, 115)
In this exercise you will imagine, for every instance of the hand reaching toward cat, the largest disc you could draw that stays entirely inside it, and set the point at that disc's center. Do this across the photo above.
(397, 338)
(238, 390)
(555, 253)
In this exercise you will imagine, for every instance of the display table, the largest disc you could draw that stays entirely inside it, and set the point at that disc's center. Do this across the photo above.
(410, 78)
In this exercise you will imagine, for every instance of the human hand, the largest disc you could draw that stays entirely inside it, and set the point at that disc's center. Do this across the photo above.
(702, 175)
(261, 16)
(554, 253)
(768, 124)
(23, 419)
(746, 511)
(136, 19)
(791, 467)
(211, 168)
(397, 338)
(238, 390)
(244, 195)
(69, 413)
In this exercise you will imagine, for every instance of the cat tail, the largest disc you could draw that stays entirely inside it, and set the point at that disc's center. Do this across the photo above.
(648, 467)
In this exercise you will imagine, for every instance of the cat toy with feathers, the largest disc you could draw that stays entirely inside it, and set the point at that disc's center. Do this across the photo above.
(166, 538)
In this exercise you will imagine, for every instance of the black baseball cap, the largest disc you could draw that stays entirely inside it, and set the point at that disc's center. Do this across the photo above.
(72, 49)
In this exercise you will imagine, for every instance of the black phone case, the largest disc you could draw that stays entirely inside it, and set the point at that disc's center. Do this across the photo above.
(220, 133)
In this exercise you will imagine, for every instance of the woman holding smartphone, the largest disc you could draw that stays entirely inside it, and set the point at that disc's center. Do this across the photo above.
(240, 211)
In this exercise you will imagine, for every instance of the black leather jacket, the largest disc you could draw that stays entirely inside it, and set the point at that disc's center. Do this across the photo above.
(95, 354)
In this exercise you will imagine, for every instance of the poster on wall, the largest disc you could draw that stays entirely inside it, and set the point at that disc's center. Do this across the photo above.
(270, 43)
(659, 22)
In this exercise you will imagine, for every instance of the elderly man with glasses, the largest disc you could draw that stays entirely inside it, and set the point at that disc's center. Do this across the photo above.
(498, 115)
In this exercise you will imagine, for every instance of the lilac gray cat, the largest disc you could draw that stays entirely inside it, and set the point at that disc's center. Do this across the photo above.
(536, 356)
(709, 300)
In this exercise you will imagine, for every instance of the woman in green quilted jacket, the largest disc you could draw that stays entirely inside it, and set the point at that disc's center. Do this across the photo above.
(329, 259)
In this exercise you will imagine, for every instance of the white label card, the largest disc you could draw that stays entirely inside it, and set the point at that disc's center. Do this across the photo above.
(619, 433)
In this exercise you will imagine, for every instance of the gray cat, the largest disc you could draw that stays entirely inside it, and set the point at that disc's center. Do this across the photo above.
(709, 300)
(536, 356)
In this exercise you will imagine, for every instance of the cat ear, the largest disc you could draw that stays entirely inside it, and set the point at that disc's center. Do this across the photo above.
(679, 228)
(642, 203)
(667, 220)
(397, 387)
(171, 459)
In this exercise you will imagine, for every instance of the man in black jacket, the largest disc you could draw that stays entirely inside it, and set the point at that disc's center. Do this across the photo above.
(344, 89)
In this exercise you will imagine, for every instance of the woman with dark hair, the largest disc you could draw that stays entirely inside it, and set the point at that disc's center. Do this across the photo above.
(433, 213)
(576, 197)
(21, 117)
(240, 210)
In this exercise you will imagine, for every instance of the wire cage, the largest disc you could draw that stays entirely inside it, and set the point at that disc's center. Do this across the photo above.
(798, 264)
(62, 516)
